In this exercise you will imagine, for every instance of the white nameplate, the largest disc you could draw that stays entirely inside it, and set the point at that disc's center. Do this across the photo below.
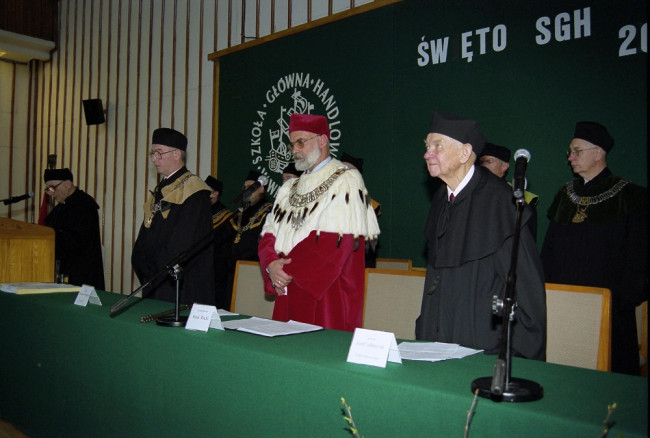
(87, 294)
(373, 347)
(203, 317)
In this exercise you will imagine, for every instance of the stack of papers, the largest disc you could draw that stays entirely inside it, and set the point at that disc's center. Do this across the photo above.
(433, 351)
(37, 288)
(270, 328)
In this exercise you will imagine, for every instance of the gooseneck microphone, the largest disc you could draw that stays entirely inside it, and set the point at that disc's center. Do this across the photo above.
(522, 157)
(245, 195)
(15, 199)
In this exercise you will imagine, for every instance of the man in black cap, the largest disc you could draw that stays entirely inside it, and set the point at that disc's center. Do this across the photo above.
(470, 231)
(75, 219)
(177, 219)
(238, 237)
(496, 159)
(598, 236)
(290, 172)
(219, 211)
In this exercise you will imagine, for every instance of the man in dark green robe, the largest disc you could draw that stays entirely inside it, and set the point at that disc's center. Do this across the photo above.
(470, 231)
(598, 236)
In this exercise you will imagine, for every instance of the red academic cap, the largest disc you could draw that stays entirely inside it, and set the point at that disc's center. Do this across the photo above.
(310, 123)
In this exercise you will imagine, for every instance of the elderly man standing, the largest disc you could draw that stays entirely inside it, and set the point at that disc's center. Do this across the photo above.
(312, 244)
(177, 219)
(598, 236)
(470, 231)
(75, 220)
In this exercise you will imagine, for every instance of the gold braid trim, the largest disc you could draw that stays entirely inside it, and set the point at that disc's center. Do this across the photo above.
(175, 193)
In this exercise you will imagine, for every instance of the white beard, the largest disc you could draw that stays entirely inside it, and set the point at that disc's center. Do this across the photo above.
(308, 161)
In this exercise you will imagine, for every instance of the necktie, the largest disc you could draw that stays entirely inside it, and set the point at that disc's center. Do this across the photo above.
(451, 198)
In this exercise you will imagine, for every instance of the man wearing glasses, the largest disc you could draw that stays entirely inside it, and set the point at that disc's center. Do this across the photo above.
(312, 244)
(75, 219)
(470, 232)
(177, 219)
(598, 236)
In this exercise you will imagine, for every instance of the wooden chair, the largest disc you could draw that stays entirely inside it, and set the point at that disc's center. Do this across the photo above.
(392, 301)
(248, 297)
(382, 263)
(642, 333)
(578, 326)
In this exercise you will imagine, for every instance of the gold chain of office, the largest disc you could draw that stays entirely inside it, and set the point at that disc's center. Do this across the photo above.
(155, 207)
(296, 200)
(582, 202)
(253, 220)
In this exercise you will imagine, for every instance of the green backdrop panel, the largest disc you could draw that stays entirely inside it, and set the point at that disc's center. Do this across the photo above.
(527, 71)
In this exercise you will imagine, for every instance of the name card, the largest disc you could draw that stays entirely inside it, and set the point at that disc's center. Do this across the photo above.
(87, 294)
(373, 347)
(203, 317)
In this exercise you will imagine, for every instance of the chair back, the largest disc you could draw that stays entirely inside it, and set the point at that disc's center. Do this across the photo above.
(392, 301)
(578, 326)
(248, 297)
(382, 263)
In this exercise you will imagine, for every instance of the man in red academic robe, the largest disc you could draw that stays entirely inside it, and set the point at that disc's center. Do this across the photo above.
(312, 244)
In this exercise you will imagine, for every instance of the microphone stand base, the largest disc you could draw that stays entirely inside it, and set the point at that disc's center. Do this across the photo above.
(518, 390)
(171, 321)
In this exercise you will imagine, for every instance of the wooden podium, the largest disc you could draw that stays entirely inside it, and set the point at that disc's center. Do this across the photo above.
(26, 252)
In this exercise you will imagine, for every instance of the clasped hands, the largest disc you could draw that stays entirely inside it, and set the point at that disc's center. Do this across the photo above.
(279, 278)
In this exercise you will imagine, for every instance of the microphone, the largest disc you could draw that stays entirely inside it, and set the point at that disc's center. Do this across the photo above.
(245, 196)
(15, 199)
(522, 156)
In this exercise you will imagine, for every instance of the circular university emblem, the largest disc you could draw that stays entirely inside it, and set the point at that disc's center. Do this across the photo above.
(294, 93)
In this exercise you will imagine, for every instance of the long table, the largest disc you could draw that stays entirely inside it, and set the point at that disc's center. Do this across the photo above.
(67, 370)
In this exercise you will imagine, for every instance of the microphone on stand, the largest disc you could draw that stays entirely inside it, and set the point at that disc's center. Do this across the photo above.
(245, 196)
(522, 156)
(15, 199)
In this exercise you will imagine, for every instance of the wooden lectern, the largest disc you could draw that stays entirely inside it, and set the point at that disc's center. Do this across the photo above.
(26, 252)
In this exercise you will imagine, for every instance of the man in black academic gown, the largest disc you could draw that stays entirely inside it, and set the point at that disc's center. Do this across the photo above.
(496, 159)
(219, 211)
(598, 236)
(177, 219)
(75, 220)
(470, 231)
(237, 238)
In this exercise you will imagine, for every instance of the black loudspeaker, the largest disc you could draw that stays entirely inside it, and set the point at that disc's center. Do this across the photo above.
(94, 112)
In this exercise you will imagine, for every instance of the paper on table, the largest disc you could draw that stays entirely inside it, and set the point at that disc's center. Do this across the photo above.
(433, 351)
(37, 288)
(270, 328)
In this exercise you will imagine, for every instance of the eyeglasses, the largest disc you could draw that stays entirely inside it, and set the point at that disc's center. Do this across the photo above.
(437, 147)
(158, 155)
(576, 152)
(301, 142)
(52, 188)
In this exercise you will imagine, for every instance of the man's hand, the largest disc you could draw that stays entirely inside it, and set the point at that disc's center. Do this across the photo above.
(279, 278)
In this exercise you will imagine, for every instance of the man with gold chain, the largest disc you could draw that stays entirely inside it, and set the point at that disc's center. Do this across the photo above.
(598, 236)
(312, 244)
(177, 219)
(236, 238)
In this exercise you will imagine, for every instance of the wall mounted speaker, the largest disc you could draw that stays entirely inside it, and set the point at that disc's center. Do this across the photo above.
(93, 111)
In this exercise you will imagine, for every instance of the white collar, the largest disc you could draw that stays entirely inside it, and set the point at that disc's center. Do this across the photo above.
(462, 184)
(320, 165)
